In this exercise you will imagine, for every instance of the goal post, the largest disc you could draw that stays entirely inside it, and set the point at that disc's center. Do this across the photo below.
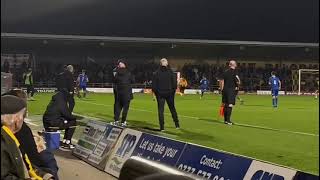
(301, 80)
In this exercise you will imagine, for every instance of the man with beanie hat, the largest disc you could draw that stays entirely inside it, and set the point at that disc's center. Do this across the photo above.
(122, 92)
(15, 164)
(59, 116)
(164, 85)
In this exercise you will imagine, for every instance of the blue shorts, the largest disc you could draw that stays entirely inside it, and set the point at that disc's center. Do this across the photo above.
(275, 92)
(204, 89)
(83, 87)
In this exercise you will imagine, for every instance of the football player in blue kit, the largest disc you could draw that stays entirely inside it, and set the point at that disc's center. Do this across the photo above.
(275, 84)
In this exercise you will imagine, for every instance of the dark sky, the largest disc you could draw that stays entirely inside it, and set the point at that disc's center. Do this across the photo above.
(246, 20)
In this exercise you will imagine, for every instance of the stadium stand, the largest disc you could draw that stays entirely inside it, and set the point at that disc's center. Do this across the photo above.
(253, 78)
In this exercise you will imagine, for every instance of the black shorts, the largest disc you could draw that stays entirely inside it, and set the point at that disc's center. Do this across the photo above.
(229, 97)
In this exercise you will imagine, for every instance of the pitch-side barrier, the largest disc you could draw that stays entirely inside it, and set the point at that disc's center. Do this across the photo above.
(108, 147)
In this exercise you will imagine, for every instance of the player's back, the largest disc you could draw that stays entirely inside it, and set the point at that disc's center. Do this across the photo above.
(82, 79)
(204, 82)
(274, 82)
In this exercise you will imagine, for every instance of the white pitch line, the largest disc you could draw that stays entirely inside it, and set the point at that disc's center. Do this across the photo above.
(192, 117)
(142, 110)
(280, 130)
(27, 120)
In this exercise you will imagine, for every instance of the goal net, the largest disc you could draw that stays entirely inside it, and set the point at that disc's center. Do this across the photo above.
(308, 80)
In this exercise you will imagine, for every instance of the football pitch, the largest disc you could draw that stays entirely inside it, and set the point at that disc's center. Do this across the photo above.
(287, 135)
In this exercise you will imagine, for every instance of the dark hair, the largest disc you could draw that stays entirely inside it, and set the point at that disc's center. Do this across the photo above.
(273, 73)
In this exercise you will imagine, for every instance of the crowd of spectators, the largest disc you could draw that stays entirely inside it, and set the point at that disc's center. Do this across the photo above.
(253, 78)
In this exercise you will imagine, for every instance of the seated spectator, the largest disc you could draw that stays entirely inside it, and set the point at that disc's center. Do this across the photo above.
(15, 164)
(46, 155)
(59, 116)
(27, 142)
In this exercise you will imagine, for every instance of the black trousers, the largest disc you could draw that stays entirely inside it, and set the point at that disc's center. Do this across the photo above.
(71, 102)
(67, 125)
(121, 104)
(170, 101)
(30, 89)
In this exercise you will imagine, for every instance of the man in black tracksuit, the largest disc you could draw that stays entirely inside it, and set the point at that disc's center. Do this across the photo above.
(122, 92)
(164, 85)
(228, 84)
(65, 82)
(59, 115)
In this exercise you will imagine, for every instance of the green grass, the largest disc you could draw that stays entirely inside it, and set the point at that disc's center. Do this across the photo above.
(264, 133)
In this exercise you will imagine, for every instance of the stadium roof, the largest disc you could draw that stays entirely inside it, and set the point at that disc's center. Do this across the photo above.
(153, 40)
(245, 20)
(150, 47)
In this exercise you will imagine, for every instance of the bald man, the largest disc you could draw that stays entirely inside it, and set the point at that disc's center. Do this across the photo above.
(164, 85)
(228, 84)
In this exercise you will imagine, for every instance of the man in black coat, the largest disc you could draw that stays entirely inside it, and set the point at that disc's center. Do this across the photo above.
(164, 85)
(122, 92)
(59, 116)
(65, 82)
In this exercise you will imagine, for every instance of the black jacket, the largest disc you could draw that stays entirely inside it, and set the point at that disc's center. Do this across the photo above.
(57, 109)
(122, 84)
(164, 82)
(65, 81)
(29, 146)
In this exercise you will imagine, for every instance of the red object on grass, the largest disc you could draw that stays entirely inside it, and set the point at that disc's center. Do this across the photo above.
(221, 112)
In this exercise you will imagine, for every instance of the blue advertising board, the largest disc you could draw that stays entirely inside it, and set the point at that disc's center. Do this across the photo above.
(211, 164)
(160, 149)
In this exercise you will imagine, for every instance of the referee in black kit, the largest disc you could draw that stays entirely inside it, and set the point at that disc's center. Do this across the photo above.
(228, 84)
(164, 85)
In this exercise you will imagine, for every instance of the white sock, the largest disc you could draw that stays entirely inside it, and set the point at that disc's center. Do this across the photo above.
(64, 141)
(67, 141)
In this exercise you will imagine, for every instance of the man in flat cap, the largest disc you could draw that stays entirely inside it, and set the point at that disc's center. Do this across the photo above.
(15, 164)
